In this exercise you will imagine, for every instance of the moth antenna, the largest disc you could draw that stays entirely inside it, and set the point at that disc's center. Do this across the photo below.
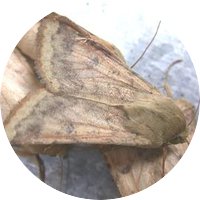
(41, 167)
(166, 84)
(147, 46)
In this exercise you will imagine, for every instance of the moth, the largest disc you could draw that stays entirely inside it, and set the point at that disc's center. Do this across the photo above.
(89, 95)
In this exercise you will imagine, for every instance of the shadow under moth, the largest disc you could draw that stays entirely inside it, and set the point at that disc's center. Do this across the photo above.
(87, 94)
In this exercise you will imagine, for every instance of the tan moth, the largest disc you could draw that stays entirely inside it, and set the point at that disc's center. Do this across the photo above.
(87, 94)
(99, 85)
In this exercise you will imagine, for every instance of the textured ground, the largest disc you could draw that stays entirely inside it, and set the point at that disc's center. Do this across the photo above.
(85, 172)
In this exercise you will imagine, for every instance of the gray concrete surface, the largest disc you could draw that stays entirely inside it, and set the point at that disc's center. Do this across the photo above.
(85, 172)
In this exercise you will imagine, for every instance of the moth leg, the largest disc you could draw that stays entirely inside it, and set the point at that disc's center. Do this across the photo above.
(41, 167)
(165, 151)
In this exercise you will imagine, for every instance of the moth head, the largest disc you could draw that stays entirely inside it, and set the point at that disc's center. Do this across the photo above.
(193, 115)
(157, 119)
(180, 138)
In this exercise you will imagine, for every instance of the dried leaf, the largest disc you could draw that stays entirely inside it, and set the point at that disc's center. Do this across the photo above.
(18, 81)
(28, 43)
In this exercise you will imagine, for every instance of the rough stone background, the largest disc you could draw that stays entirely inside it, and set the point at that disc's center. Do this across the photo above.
(85, 173)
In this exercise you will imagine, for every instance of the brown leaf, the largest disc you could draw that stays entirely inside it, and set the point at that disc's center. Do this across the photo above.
(28, 43)
(18, 81)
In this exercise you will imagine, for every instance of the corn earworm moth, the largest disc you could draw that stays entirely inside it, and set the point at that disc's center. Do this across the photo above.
(89, 95)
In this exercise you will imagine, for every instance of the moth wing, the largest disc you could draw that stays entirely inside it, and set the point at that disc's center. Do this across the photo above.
(43, 118)
(73, 61)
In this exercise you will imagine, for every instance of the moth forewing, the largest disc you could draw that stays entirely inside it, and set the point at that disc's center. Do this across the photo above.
(83, 69)
(44, 118)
